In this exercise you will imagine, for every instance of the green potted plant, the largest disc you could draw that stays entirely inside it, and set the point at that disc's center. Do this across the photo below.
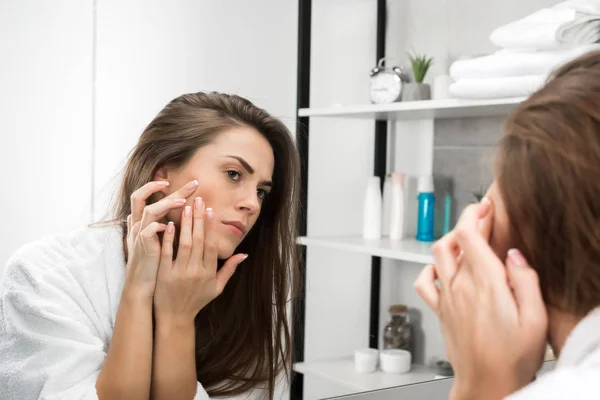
(418, 90)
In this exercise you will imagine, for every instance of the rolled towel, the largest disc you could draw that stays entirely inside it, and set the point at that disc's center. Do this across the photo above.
(566, 24)
(497, 88)
(509, 62)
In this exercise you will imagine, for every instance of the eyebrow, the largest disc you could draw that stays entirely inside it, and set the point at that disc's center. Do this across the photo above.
(248, 168)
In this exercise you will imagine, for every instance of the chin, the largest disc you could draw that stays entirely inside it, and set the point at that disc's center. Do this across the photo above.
(226, 251)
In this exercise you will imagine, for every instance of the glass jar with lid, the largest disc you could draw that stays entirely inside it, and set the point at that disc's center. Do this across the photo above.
(397, 333)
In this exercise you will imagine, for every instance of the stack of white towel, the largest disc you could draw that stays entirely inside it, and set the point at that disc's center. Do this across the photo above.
(531, 48)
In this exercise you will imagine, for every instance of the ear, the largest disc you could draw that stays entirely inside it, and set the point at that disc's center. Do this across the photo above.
(162, 174)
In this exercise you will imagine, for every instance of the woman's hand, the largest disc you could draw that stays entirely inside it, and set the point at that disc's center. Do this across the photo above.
(189, 283)
(492, 315)
(143, 226)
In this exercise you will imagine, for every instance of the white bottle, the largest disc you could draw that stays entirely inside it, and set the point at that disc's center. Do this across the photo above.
(372, 209)
(387, 204)
(397, 207)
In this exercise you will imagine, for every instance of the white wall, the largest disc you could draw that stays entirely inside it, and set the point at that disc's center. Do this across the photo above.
(45, 118)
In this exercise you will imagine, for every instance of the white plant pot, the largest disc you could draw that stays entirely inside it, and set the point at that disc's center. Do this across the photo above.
(416, 91)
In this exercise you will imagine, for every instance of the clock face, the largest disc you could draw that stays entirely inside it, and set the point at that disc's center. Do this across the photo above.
(385, 88)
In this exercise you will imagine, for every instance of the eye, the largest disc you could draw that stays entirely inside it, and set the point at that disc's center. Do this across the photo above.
(234, 175)
(261, 193)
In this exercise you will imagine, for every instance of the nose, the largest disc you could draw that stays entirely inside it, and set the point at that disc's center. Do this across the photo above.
(249, 201)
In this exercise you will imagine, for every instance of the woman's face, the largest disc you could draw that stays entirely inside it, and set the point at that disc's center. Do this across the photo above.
(234, 174)
(499, 238)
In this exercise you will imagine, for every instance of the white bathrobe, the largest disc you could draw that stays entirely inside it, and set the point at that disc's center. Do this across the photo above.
(577, 371)
(58, 303)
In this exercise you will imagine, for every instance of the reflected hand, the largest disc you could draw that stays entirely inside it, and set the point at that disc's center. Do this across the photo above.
(493, 319)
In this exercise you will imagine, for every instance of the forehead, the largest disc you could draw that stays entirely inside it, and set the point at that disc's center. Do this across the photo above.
(248, 143)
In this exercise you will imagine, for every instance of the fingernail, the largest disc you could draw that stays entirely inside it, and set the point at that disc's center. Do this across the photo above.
(517, 258)
(485, 200)
(210, 214)
(163, 183)
(192, 185)
(179, 201)
(188, 211)
(245, 256)
(198, 203)
(170, 227)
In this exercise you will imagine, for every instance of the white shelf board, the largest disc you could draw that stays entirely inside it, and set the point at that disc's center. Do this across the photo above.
(425, 109)
(341, 371)
(405, 250)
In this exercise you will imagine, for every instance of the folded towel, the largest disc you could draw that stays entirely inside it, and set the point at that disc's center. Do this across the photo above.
(566, 24)
(509, 62)
(497, 88)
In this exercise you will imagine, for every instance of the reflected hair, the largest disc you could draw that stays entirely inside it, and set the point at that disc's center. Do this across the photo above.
(548, 166)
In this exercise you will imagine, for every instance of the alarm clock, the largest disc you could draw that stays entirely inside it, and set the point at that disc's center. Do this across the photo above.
(386, 83)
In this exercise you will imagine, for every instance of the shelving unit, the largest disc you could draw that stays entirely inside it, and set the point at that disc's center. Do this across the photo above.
(341, 370)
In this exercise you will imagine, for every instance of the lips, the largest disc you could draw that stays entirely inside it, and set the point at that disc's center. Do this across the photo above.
(237, 227)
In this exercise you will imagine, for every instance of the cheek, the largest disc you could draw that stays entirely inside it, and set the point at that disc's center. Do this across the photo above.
(210, 193)
(175, 216)
(254, 218)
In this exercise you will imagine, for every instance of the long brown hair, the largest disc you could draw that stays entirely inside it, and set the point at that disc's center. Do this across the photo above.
(243, 337)
(548, 171)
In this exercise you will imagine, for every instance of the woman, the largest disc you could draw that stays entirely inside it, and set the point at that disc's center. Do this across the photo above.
(187, 299)
(522, 268)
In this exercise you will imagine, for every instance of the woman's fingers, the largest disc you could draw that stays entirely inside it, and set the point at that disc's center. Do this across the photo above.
(154, 212)
(139, 197)
(225, 273)
(426, 287)
(486, 222)
(185, 191)
(486, 213)
(149, 238)
(445, 259)
(211, 245)
(198, 235)
(130, 233)
(525, 284)
(478, 256)
(185, 239)
(166, 257)
(145, 214)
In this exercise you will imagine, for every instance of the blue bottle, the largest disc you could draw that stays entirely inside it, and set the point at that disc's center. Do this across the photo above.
(426, 213)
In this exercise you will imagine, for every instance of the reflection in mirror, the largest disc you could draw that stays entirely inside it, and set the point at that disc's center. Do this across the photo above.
(354, 272)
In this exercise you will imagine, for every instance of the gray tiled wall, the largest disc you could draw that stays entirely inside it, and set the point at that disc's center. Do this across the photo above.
(464, 153)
